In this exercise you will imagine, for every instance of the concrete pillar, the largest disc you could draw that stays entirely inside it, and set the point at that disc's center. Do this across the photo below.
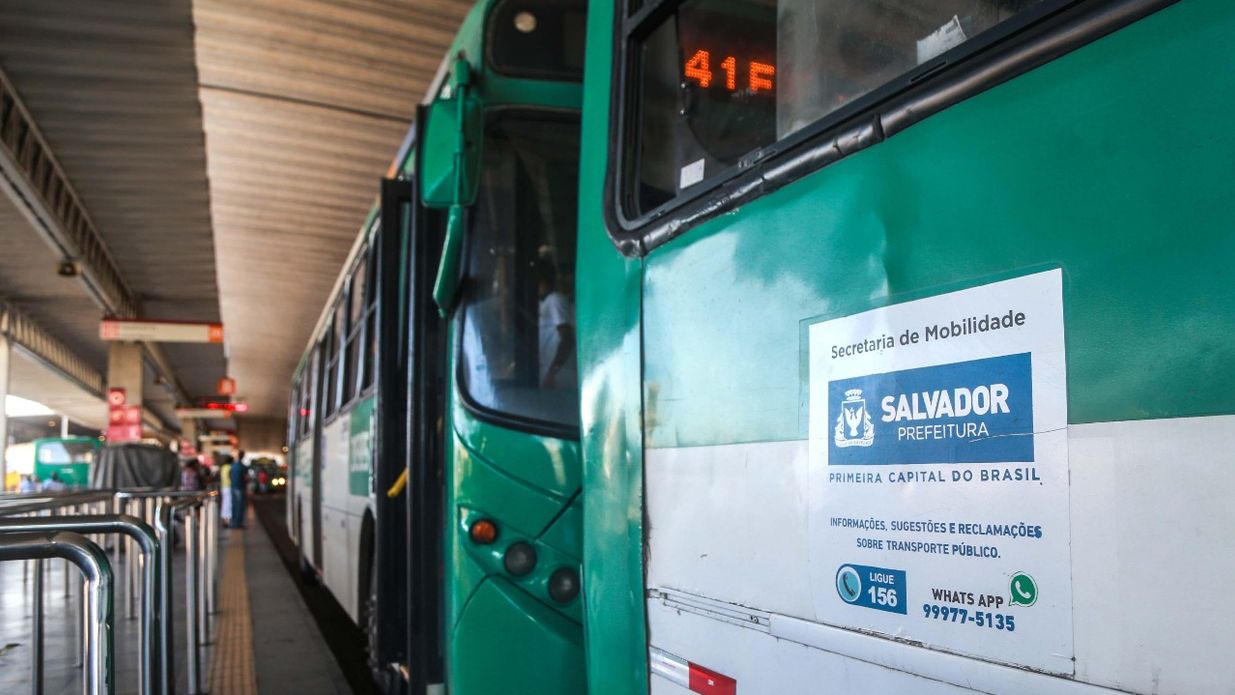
(188, 432)
(5, 354)
(125, 370)
(261, 434)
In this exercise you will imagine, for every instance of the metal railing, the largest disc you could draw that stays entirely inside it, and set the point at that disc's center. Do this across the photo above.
(98, 674)
(192, 505)
(142, 526)
(134, 529)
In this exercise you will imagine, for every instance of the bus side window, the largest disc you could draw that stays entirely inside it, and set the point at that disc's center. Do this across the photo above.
(335, 339)
(370, 360)
(356, 309)
(718, 80)
(293, 416)
(518, 334)
(308, 388)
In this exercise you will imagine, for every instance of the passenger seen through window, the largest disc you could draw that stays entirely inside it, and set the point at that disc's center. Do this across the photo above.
(518, 353)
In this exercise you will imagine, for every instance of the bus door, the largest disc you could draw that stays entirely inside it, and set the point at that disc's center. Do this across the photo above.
(319, 397)
(414, 573)
(407, 474)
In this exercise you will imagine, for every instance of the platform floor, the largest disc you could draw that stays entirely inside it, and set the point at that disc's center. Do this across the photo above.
(263, 638)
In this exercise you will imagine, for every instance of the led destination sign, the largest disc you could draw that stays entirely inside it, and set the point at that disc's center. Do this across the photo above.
(756, 76)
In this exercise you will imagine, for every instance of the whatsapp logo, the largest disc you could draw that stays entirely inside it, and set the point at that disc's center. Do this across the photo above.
(1024, 590)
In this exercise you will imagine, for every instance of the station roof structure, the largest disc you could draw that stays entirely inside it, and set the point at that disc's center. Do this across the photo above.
(199, 160)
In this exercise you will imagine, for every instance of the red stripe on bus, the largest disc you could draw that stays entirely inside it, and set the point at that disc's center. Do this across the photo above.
(705, 681)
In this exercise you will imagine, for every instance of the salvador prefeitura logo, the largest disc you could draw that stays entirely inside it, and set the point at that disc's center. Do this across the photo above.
(853, 424)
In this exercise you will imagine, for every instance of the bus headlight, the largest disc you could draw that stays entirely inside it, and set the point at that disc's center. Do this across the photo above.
(520, 558)
(563, 585)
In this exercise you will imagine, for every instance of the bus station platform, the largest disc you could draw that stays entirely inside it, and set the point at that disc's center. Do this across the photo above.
(261, 637)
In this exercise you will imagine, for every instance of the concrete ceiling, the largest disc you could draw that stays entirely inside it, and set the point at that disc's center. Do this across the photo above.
(227, 152)
(31, 380)
(112, 86)
(28, 278)
(305, 104)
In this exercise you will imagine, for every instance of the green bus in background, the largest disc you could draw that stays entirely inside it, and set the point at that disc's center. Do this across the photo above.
(863, 346)
(69, 458)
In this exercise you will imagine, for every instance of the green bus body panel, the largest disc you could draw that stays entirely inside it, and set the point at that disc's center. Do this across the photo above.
(548, 465)
(526, 484)
(610, 369)
(488, 486)
(1108, 162)
(538, 651)
(71, 474)
(360, 447)
(1111, 162)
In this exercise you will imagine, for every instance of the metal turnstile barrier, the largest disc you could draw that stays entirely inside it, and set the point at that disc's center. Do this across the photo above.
(141, 526)
(133, 529)
(197, 508)
(98, 674)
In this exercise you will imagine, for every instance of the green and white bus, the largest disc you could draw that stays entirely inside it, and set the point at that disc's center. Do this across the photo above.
(906, 346)
(435, 476)
(69, 458)
(903, 342)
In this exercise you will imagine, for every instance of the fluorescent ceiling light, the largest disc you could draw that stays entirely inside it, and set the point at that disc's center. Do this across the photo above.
(16, 406)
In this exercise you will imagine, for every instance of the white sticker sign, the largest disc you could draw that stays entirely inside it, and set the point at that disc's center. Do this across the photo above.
(939, 472)
(690, 174)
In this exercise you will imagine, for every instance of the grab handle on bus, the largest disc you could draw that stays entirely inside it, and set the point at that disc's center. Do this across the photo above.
(397, 488)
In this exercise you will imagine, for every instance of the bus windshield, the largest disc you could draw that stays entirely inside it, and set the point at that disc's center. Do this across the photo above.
(518, 342)
(64, 452)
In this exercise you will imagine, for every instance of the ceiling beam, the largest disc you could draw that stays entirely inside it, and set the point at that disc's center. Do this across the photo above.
(36, 342)
(37, 183)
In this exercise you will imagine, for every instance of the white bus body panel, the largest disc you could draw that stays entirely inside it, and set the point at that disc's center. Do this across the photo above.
(303, 499)
(337, 542)
(1152, 507)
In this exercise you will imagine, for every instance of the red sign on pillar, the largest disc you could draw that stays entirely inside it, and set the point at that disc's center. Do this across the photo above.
(124, 422)
(227, 386)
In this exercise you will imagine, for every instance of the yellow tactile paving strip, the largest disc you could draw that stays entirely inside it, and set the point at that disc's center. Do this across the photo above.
(231, 667)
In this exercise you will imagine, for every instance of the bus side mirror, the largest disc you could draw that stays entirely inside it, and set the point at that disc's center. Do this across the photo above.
(446, 286)
(450, 152)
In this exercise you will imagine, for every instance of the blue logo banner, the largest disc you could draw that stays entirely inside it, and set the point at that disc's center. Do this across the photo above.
(872, 587)
(979, 411)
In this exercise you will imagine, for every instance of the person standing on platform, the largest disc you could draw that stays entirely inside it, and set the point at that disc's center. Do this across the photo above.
(225, 490)
(240, 478)
(190, 476)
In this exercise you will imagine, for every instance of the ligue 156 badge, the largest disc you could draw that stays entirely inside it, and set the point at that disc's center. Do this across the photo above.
(853, 425)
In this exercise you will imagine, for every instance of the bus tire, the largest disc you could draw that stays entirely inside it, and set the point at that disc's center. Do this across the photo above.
(308, 575)
(368, 620)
